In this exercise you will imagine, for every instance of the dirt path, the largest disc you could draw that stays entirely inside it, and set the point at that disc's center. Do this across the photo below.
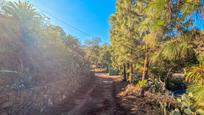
(108, 95)
(98, 100)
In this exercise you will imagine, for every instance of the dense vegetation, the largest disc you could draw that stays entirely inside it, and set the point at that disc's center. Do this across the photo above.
(155, 45)
(158, 41)
(40, 64)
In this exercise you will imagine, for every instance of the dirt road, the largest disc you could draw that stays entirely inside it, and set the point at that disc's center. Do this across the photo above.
(98, 98)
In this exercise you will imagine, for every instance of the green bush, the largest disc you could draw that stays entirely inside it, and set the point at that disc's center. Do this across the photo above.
(187, 106)
(198, 93)
(201, 59)
(191, 103)
(156, 86)
(136, 78)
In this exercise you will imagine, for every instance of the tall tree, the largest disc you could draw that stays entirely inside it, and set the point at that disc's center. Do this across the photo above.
(162, 16)
(105, 56)
(124, 35)
(92, 50)
(139, 26)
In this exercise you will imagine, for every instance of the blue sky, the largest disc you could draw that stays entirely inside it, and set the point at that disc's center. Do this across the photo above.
(198, 21)
(90, 16)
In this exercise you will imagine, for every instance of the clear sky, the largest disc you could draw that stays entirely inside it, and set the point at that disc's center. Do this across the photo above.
(198, 21)
(90, 16)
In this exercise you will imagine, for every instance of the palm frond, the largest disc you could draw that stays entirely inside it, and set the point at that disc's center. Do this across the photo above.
(195, 74)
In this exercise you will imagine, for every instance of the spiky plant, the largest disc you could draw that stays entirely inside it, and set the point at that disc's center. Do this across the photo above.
(22, 11)
(197, 91)
(175, 54)
(177, 50)
(195, 74)
(26, 16)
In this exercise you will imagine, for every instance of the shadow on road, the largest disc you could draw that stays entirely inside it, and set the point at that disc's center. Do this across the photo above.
(97, 98)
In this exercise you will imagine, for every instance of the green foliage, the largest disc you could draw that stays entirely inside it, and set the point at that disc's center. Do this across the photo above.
(142, 83)
(97, 54)
(198, 92)
(113, 71)
(22, 11)
(188, 105)
(92, 49)
(74, 45)
(139, 35)
(191, 103)
(136, 78)
(157, 15)
(176, 51)
(195, 74)
(185, 106)
(42, 50)
(159, 70)
(105, 56)
(124, 34)
(156, 86)
(189, 6)
(174, 55)
(138, 27)
(28, 18)
(201, 59)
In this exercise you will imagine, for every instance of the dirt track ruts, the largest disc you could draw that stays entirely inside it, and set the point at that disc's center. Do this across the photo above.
(98, 98)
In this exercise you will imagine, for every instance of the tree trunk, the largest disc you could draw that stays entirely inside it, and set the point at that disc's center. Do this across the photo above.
(107, 68)
(131, 71)
(124, 73)
(146, 63)
(128, 67)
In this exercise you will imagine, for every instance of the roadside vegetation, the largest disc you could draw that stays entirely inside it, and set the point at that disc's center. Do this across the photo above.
(40, 65)
(156, 47)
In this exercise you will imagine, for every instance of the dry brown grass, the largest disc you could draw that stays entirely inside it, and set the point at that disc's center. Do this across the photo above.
(148, 104)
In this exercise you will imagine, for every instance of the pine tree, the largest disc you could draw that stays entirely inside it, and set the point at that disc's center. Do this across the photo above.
(124, 35)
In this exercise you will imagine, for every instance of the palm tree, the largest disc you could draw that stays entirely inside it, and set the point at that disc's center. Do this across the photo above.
(174, 56)
(22, 11)
(30, 26)
(26, 16)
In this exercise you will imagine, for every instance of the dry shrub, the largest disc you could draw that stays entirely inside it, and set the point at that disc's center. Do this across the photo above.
(38, 76)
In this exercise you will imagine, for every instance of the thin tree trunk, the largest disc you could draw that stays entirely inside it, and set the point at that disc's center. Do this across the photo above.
(128, 67)
(131, 71)
(107, 68)
(146, 63)
(124, 73)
